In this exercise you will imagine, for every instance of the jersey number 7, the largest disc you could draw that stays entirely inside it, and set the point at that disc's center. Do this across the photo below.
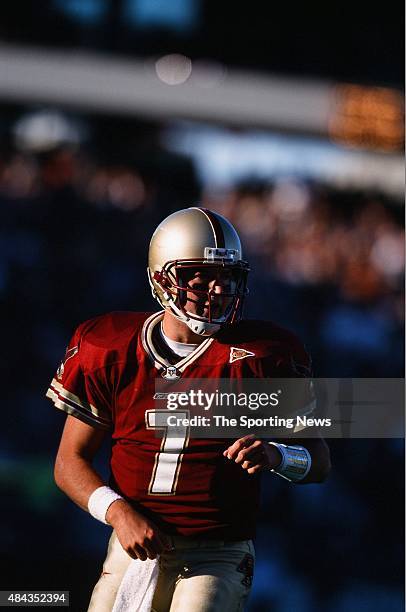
(168, 460)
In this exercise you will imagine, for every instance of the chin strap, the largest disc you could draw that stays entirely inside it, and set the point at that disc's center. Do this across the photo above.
(202, 328)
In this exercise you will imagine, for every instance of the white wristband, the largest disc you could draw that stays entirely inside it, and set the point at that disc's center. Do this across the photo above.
(296, 462)
(100, 501)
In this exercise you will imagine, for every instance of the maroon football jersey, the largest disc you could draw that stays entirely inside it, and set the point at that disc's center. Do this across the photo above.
(107, 379)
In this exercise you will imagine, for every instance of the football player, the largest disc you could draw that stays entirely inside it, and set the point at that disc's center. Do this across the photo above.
(191, 502)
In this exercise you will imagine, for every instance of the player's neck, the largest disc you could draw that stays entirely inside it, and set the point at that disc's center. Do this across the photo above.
(178, 331)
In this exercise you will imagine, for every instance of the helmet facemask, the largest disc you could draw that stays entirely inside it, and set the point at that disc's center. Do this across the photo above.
(204, 295)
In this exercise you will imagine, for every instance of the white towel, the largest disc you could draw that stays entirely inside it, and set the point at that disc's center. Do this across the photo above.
(137, 587)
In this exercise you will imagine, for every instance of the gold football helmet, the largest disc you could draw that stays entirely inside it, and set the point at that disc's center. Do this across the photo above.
(197, 239)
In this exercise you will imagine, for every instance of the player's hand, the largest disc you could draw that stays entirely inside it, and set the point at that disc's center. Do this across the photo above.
(253, 455)
(138, 536)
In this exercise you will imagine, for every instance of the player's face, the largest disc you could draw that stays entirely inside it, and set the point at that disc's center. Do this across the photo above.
(208, 291)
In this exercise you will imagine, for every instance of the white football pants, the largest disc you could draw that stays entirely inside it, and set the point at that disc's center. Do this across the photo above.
(197, 576)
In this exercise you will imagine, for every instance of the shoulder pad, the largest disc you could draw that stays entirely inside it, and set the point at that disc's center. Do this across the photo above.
(266, 339)
(107, 338)
(261, 334)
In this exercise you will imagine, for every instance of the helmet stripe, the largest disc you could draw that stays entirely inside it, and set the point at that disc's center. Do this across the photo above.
(217, 229)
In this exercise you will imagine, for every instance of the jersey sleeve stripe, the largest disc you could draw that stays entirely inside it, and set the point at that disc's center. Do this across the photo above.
(74, 399)
(62, 400)
(60, 389)
(86, 418)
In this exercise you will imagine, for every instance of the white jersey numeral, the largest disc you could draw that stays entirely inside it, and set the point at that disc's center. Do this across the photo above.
(168, 460)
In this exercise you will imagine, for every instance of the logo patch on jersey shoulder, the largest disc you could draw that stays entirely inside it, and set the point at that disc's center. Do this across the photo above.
(239, 353)
(68, 355)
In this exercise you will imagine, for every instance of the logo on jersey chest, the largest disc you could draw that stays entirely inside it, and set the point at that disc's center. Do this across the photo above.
(238, 353)
(171, 373)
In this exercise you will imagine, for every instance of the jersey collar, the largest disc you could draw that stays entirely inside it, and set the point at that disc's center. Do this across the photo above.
(167, 369)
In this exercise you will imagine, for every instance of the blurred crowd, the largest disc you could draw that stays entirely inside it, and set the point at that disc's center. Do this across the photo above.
(327, 264)
(331, 266)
